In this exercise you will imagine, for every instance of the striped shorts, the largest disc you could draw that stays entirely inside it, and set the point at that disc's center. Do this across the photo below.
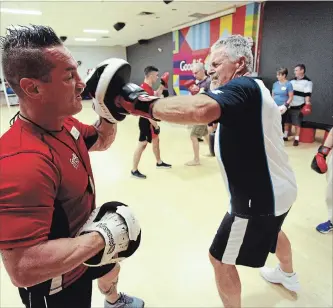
(246, 241)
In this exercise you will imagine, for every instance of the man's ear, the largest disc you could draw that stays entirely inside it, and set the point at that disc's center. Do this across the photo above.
(30, 87)
(240, 65)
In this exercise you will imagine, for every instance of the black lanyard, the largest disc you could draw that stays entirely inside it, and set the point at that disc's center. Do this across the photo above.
(78, 154)
(65, 144)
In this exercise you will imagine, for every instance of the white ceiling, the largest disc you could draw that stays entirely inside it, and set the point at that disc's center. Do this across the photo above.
(70, 18)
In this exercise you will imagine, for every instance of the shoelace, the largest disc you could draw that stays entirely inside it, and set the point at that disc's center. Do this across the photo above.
(125, 299)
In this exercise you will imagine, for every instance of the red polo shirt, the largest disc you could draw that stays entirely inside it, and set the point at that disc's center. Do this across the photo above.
(147, 88)
(44, 184)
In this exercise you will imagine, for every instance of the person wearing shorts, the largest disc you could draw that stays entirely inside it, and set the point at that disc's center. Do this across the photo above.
(46, 183)
(253, 162)
(149, 129)
(302, 87)
(199, 131)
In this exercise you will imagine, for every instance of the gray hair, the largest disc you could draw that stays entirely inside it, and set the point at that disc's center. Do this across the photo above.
(236, 46)
(198, 65)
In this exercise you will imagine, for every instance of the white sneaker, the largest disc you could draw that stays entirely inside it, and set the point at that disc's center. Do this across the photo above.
(275, 275)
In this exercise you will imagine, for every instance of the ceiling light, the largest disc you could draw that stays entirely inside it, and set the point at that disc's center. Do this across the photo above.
(20, 12)
(84, 39)
(95, 31)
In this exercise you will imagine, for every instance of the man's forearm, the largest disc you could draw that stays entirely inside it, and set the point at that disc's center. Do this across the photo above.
(329, 140)
(36, 264)
(159, 91)
(307, 100)
(106, 135)
(197, 109)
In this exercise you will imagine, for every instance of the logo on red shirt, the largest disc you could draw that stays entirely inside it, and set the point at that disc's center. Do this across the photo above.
(74, 161)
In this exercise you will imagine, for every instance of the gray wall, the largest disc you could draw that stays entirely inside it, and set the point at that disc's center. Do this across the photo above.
(301, 32)
(140, 56)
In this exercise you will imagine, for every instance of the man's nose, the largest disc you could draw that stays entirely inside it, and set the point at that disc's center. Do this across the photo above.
(81, 85)
(210, 71)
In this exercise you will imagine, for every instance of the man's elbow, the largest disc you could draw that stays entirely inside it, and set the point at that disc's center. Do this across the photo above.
(102, 144)
(21, 279)
(105, 145)
(18, 283)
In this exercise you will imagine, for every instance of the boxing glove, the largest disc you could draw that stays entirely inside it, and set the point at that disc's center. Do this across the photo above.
(165, 79)
(121, 231)
(306, 110)
(156, 130)
(318, 163)
(165, 93)
(104, 83)
(192, 87)
(136, 101)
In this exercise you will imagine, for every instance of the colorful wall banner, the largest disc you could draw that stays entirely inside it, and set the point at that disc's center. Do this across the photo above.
(192, 44)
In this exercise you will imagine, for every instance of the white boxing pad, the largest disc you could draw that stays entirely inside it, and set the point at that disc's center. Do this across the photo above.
(120, 229)
(132, 223)
(112, 66)
(114, 230)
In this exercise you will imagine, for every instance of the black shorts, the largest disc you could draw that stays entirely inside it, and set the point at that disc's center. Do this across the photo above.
(294, 116)
(247, 242)
(146, 130)
(284, 118)
(77, 294)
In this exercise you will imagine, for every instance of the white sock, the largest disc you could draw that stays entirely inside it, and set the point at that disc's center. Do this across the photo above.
(285, 134)
(297, 138)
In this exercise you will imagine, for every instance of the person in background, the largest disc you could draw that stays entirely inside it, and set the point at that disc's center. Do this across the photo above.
(253, 162)
(149, 129)
(323, 163)
(199, 130)
(302, 86)
(282, 91)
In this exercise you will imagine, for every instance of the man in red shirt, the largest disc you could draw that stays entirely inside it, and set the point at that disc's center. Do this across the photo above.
(47, 185)
(149, 129)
